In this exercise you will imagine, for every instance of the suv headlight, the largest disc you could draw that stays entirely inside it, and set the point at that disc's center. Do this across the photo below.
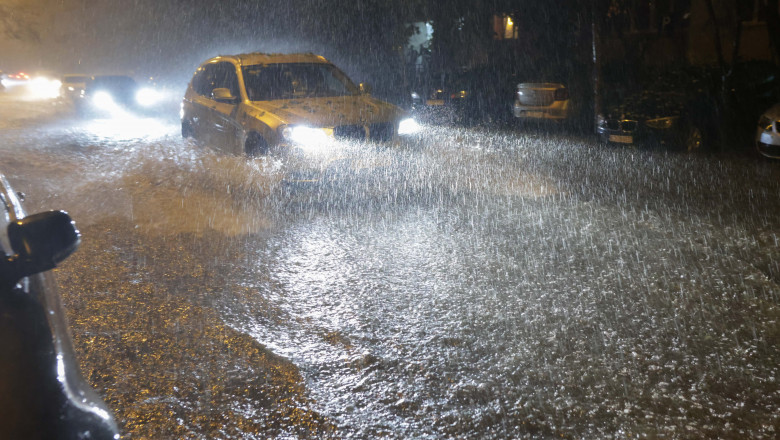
(147, 97)
(103, 100)
(408, 126)
(661, 123)
(302, 135)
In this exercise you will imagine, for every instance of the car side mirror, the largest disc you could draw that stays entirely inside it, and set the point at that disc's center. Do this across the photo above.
(39, 242)
(365, 89)
(222, 94)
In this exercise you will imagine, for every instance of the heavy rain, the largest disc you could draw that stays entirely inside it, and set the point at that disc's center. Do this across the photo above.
(483, 277)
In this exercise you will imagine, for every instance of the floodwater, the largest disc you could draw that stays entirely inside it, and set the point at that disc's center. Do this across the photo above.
(469, 283)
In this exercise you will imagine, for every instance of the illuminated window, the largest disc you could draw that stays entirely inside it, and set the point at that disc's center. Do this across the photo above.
(504, 28)
(509, 29)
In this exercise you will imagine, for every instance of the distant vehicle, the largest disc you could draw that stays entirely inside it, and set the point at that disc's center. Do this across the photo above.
(478, 95)
(108, 95)
(18, 77)
(768, 133)
(42, 392)
(9, 80)
(691, 108)
(73, 86)
(257, 104)
(541, 102)
(438, 105)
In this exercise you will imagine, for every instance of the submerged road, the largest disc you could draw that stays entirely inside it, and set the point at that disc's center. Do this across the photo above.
(487, 284)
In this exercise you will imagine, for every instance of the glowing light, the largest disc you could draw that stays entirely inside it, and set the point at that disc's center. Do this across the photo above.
(104, 101)
(147, 97)
(408, 126)
(123, 126)
(40, 88)
(306, 136)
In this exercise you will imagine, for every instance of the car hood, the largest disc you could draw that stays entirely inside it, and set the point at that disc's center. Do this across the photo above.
(646, 105)
(331, 111)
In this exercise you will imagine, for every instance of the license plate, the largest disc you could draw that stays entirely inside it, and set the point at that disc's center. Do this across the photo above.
(435, 102)
(621, 139)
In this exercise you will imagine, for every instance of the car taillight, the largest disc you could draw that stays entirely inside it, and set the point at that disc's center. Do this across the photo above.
(561, 94)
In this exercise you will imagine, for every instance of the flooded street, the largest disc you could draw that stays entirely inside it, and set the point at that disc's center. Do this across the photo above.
(488, 283)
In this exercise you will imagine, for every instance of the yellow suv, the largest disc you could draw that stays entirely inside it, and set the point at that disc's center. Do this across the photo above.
(258, 103)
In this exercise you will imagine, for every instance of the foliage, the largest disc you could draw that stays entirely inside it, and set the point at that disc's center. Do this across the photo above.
(18, 21)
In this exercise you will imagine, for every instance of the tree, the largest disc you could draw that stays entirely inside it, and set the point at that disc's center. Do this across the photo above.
(18, 21)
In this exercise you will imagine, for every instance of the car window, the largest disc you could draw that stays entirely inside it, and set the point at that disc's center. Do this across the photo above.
(226, 77)
(213, 76)
(205, 80)
(295, 80)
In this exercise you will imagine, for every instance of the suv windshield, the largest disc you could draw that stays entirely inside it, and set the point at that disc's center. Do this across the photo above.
(266, 82)
(71, 79)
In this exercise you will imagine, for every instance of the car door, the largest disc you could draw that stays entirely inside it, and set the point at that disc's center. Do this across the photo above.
(226, 129)
(201, 105)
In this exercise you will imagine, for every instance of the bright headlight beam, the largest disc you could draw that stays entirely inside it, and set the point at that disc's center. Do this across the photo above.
(408, 126)
(147, 97)
(103, 100)
(306, 135)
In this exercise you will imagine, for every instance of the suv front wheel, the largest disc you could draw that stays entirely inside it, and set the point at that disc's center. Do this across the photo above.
(255, 145)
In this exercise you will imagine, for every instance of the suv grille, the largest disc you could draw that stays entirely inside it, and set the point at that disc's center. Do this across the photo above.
(624, 125)
(380, 132)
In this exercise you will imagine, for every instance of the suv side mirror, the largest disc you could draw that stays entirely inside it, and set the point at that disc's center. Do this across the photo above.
(40, 241)
(365, 89)
(222, 94)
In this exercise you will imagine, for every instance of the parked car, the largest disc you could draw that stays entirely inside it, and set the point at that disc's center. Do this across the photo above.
(768, 133)
(690, 108)
(42, 393)
(257, 104)
(541, 102)
(477, 95)
(107, 95)
(438, 105)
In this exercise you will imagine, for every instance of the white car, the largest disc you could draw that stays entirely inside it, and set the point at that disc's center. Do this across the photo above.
(767, 135)
(541, 101)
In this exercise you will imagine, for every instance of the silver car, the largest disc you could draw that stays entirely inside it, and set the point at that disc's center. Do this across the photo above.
(541, 101)
(768, 133)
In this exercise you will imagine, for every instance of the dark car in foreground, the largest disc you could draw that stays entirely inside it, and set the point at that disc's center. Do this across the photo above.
(688, 108)
(42, 393)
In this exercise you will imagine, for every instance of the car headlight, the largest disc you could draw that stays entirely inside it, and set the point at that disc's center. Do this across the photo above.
(103, 100)
(661, 123)
(303, 135)
(147, 97)
(408, 126)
